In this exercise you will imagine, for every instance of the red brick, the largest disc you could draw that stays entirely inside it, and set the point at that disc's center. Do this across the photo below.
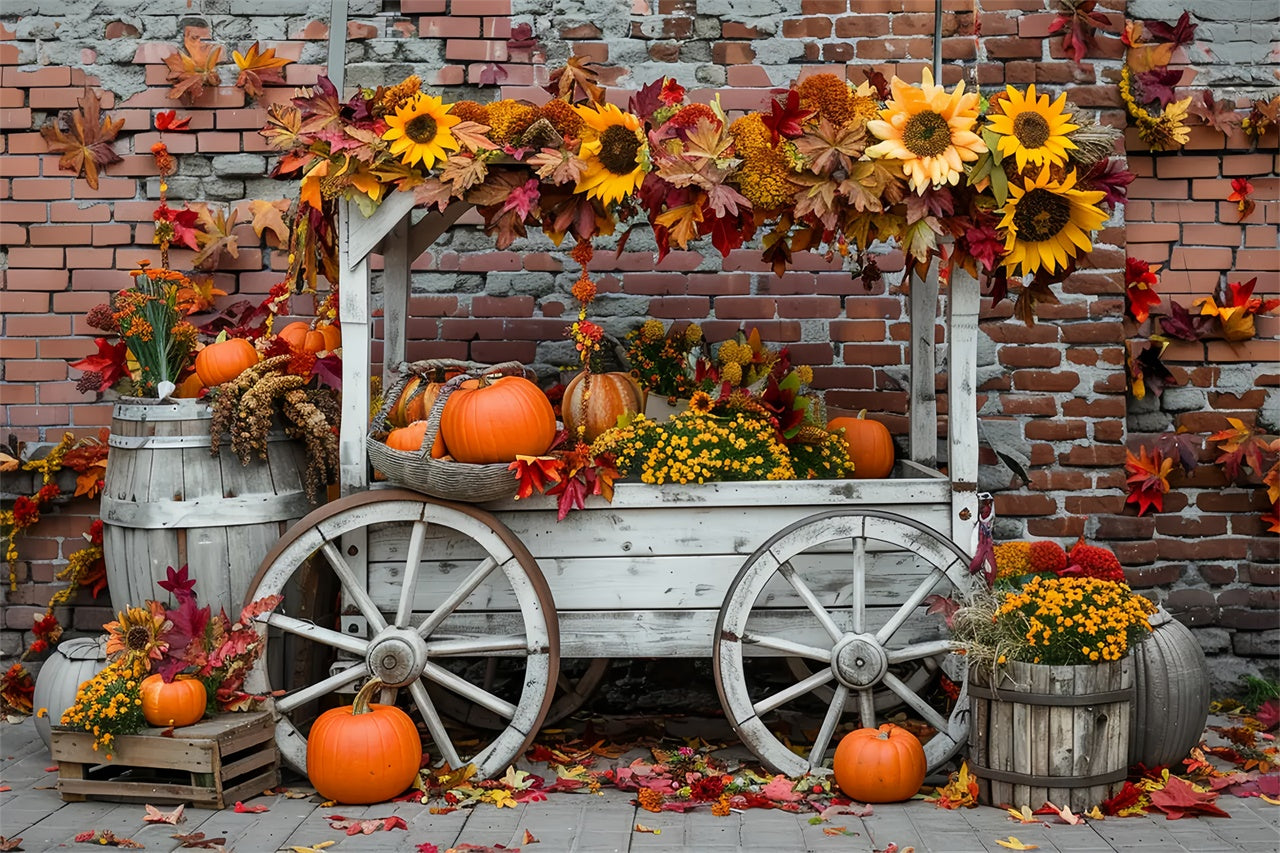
(745, 307)
(733, 53)
(1030, 357)
(1014, 48)
(812, 27)
(1187, 167)
(1045, 380)
(861, 26)
(447, 27)
(1060, 430)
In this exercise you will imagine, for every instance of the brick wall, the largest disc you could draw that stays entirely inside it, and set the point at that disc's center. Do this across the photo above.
(1053, 396)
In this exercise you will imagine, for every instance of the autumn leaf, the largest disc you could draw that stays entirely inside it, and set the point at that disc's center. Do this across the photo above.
(1078, 23)
(83, 138)
(1241, 190)
(366, 826)
(268, 216)
(558, 167)
(168, 120)
(640, 827)
(154, 815)
(110, 363)
(473, 136)
(258, 66)
(837, 830)
(1148, 479)
(1219, 115)
(1147, 370)
(1180, 33)
(1182, 324)
(463, 171)
(192, 69)
(241, 808)
(577, 75)
(961, 791)
(785, 118)
(829, 147)
(1140, 281)
(1179, 798)
(1064, 813)
(681, 222)
(944, 605)
(107, 838)
(215, 236)
(1014, 844)
(1240, 444)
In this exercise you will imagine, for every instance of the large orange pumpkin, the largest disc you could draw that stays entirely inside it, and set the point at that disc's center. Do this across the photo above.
(223, 361)
(363, 753)
(307, 338)
(495, 420)
(595, 401)
(870, 445)
(177, 703)
(884, 765)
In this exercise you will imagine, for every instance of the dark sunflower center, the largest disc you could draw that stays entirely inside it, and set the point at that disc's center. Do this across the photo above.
(421, 128)
(926, 134)
(1031, 129)
(137, 638)
(1041, 215)
(618, 149)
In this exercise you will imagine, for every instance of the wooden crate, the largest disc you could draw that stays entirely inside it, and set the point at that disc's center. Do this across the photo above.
(212, 764)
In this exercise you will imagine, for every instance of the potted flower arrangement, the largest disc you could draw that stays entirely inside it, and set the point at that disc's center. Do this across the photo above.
(1051, 674)
(168, 664)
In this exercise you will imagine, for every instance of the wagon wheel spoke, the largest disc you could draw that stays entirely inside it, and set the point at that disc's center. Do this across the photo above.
(312, 631)
(466, 689)
(867, 707)
(300, 697)
(810, 600)
(413, 558)
(859, 594)
(791, 648)
(909, 606)
(352, 588)
(477, 645)
(829, 723)
(919, 651)
(782, 697)
(435, 726)
(459, 595)
(923, 708)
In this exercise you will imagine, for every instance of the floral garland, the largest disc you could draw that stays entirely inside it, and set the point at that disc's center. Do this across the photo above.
(1019, 182)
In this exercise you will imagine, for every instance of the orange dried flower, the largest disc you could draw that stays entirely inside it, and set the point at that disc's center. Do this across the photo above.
(829, 96)
(649, 800)
(563, 118)
(1047, 556)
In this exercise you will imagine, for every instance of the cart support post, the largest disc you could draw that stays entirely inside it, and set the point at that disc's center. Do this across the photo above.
(963, 302)
(923, 405)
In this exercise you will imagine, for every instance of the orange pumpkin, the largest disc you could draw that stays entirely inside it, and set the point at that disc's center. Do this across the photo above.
(495, 420)
(870, 445)
(180, 702)
(417, 397)
(306, 338)
(363, 753)
(409, 438)
(223, 361)
(593, 402)
(884, 765)
(190, 387)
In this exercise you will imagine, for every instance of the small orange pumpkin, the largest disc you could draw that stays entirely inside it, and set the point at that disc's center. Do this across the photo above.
(495, 420)
(189, 388)
(223, 361)
(363, 753)
(884, 765)
(870, 445)
(408, 439)
(306, 338)
(417, 397)
(177, 703)
(593, 402)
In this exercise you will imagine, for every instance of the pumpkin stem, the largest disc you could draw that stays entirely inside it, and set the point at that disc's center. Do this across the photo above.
(862, 416)
(360, 705)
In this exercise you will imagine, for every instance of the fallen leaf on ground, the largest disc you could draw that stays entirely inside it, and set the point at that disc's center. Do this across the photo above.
(10, 843)
(893, 848)
(241, 808)
(1024, 815)
(1063, 812)
(154, 815)
(1014, 844)
(367, 826)
(107, 838)
(836, 830)
(854, 809)
(315, 848)
(197, 840)
(640, 827)
(1179, 798)
(528, 838)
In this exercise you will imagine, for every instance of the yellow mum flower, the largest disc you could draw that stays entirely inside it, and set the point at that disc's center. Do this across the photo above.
(419, 131)
(930, 130)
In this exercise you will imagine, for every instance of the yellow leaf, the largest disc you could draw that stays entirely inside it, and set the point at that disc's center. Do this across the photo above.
(1024, 815)
(315, 848)
(1271, 800)
(502, 799)
(1095, 813)
(1015, 844)
(640, 827)
(268, 216)
(682, 222)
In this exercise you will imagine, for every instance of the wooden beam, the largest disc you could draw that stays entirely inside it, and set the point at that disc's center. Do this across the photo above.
(963, 300)
(365, 234)
(923, 440)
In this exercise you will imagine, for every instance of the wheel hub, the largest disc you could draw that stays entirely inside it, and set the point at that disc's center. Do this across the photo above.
(859, 661)
(397, 656)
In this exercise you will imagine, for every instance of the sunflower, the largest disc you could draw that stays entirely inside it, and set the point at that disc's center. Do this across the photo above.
(929, 130)
(1032, 129)
(419, 131)
(614, 151)
(1047, 222)
(700, 402)
(138, 632)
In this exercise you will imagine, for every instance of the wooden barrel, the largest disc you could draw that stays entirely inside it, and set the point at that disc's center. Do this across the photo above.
(167, 501)
(1056, 734)
(1171, 693)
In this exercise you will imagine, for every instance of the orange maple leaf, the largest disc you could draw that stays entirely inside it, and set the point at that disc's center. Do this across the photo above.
(85, 144)
(681, 222)
(1148, 479)
(192, 69)
(258, 66)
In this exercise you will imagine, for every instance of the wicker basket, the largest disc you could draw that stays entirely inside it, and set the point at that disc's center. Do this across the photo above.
(440, 478)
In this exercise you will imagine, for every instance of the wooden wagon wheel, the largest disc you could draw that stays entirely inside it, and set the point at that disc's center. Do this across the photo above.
(405, 647)
(574, 687)
(916, 675)
(851, 644)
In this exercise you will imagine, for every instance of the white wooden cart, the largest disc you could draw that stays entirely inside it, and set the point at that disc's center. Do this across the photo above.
(822, 584)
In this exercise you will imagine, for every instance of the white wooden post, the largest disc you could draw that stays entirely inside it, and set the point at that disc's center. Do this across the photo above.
(923, 446)
(963, 299)
(357, 332)
(396, 260)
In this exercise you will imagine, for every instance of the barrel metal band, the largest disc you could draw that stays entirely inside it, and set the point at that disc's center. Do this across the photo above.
(169, 442)
(205, 512)
(994, 775)
(1070, 701)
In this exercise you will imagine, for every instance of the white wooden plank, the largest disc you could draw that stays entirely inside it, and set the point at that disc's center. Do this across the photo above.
(395, 296)
(963, 300)
(923, 397)
(357, 330)
(364, 234)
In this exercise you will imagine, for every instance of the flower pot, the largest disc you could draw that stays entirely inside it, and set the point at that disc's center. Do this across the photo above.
(72, 663)
(657, 407)
(1056, 734)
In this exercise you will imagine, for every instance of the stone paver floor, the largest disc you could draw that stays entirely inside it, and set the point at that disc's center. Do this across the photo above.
(33, 810)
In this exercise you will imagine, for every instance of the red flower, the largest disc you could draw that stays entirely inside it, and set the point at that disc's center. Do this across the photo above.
(26, 512)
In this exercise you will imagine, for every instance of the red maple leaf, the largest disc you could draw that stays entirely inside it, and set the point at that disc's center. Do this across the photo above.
(1241, 189)
(168, 120)
(1178, 798)
(1183, 32)
(533, 473)
(109, 363)
(1078, 23)
(785, 119)
(1148, 479)
(1140, 294)
(1126, 798)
